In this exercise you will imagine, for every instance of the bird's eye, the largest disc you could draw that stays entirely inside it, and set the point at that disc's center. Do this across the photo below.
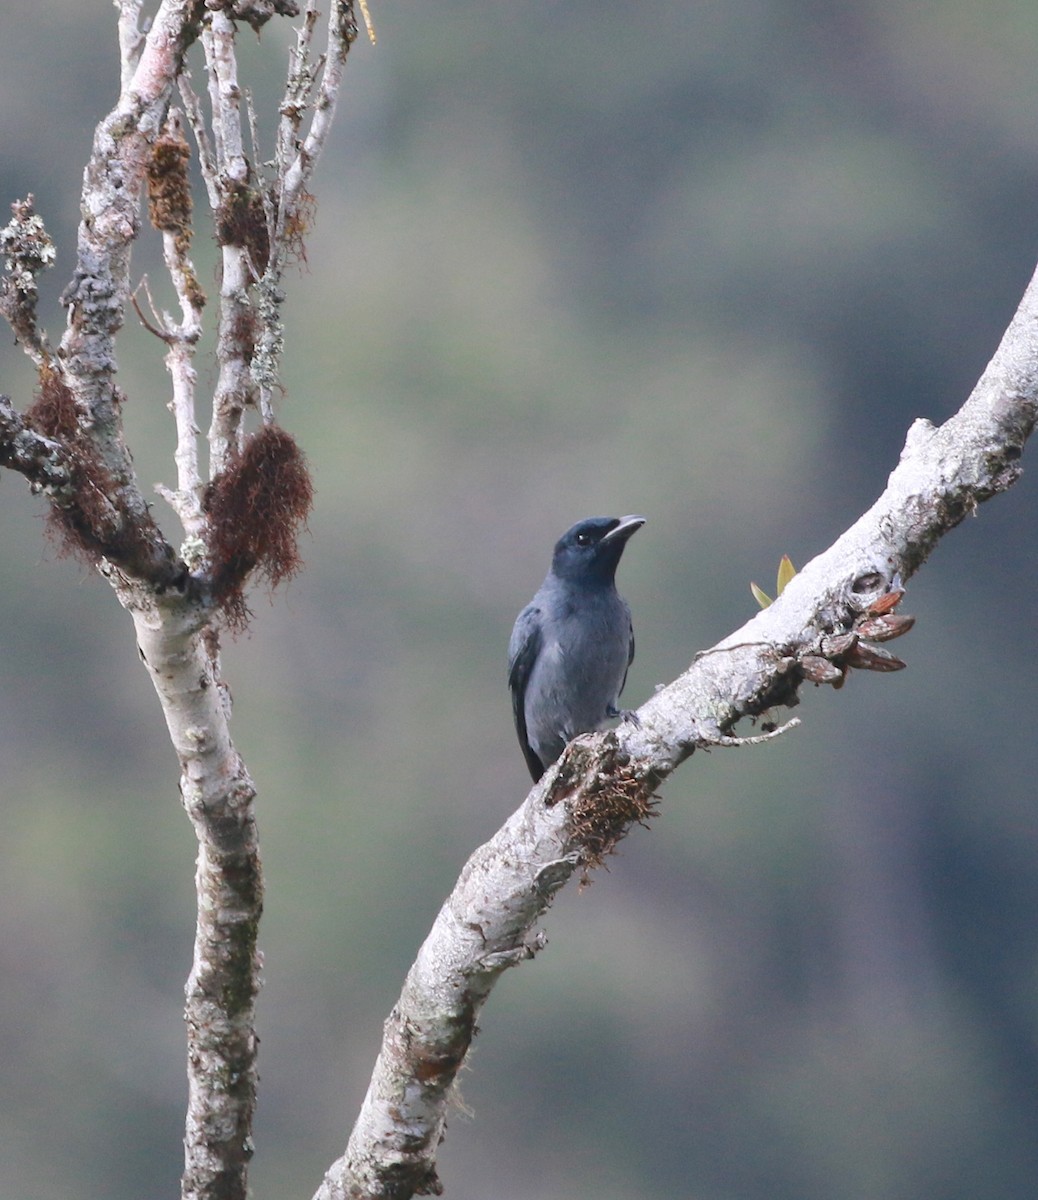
(583, 539)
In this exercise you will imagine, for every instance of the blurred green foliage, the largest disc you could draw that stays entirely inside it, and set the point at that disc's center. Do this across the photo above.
(703, 261)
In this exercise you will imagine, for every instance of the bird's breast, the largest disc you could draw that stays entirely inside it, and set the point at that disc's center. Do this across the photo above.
(581, 666)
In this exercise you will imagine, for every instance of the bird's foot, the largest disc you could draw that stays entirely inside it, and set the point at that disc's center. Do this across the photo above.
(625, 714)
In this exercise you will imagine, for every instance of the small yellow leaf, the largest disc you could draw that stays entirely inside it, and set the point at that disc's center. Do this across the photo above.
(786, 571)
(762, 597)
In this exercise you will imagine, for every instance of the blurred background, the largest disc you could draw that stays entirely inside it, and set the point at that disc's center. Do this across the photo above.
(701, 261)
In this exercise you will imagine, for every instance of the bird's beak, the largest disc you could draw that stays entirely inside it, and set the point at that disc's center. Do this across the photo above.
(626, 527)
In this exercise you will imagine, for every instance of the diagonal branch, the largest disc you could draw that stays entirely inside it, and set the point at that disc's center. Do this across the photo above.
(27, 251)
(606, 782)
(131, 40)
(42, 460)
(114, 176)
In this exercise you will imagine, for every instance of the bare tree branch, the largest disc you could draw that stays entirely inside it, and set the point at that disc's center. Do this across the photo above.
(27, 252)
(97, 296)
(243, 250)
(295, 161)
(605, 782)
(170, 210)
(130, 40)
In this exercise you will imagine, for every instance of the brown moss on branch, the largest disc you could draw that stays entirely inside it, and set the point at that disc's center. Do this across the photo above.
(242, 221)
(169, 188)
(169, 197)
(611, 796)
(256, 12)
(254, 510)
(54, 412)
(88, 517)
(244, 331)
(298, 223)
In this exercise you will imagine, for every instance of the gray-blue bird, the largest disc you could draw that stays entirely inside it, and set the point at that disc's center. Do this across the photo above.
(572, 644)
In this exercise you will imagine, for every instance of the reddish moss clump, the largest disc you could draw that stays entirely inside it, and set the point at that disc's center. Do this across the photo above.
(169, 189)
(244, 327)
(54, 412)
(241, 221)
(88, 519)
(254, 509)
(169, 197)
(607, 797)
(298, 224)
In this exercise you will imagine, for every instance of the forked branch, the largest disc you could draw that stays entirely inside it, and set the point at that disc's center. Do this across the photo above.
(240, 521)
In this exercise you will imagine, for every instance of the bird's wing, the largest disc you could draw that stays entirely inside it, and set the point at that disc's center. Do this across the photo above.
(630, 648)
(523, 649)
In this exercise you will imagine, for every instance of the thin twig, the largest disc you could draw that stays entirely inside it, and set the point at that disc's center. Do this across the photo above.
(218, 39)
(298, 86)
(294, 164)
(755, 740)
(342, 33)
(203, 142)
(235, 390)
(130, 39)
(183, 377)
(163, 334)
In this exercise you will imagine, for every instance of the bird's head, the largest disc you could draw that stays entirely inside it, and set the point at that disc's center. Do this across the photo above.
(590, 551)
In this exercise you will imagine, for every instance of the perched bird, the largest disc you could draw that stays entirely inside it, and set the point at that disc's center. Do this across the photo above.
(572, 644)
